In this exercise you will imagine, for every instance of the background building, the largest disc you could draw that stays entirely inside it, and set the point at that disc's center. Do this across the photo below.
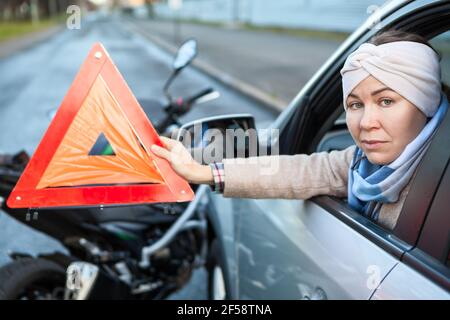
(336, 15)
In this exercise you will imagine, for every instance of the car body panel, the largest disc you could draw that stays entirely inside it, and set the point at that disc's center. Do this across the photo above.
(406, 283)
(294, 249)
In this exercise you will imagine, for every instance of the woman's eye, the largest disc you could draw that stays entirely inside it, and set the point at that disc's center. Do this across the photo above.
(355, 105)
(386, 102)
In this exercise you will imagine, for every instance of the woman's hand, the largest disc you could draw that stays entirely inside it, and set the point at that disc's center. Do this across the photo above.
(182, 162)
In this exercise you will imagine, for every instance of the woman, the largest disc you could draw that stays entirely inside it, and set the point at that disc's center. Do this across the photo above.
(394, 102)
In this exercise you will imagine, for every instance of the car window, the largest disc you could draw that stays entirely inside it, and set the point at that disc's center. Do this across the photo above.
(405, 236)
(338, 136)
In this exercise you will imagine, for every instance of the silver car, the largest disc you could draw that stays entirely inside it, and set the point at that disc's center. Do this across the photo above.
(319, 248)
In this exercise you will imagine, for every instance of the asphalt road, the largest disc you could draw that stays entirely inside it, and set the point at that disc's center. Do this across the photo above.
(277, 64)
(34, 82)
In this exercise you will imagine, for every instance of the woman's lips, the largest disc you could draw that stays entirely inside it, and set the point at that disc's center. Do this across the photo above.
(372, 144)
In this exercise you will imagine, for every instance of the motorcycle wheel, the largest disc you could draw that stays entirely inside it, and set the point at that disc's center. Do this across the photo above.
(217, 284)
(32, 279)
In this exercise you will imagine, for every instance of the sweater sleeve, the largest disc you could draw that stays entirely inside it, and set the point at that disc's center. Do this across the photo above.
(288, 177)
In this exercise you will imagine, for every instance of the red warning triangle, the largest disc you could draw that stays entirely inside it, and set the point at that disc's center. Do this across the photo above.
(96, 150)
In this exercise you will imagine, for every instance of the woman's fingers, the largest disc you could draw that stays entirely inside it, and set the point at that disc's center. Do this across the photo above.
(172, 150)
(168, 143)
(161, 152)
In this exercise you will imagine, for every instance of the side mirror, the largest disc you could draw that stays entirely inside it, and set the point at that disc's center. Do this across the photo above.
(186, 53)
(214, 138)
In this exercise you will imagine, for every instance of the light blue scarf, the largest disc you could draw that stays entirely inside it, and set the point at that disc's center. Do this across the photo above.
(369, 185)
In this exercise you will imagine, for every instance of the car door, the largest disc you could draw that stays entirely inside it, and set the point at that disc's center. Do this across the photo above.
(321, 249)
(424, 272)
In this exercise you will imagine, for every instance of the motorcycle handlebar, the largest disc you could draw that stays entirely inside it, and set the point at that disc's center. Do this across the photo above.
(197, 96)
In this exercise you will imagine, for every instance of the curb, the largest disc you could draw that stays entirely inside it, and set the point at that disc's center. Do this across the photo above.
(268, 101)
(11, 46)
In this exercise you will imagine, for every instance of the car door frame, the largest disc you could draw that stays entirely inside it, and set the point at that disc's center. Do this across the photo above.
(301, 112)
(401, 242)
(430, 256)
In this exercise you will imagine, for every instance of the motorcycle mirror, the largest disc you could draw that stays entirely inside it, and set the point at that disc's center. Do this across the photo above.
(186, 53)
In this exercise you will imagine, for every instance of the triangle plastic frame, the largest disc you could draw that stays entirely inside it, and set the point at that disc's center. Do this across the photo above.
(25, 194)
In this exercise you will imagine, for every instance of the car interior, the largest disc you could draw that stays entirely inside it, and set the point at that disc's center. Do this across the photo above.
(338, 138)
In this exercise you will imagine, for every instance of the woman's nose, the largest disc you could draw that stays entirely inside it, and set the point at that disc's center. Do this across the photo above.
(370, 118)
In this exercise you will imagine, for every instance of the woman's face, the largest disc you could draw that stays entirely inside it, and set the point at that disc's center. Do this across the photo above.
(381, 121)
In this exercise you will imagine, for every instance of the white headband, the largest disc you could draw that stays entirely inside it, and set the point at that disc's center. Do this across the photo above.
(410, 68)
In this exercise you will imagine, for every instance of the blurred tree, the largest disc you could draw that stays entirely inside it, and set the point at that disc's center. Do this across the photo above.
(149, 5)
(235, 9)
(52, 8)
(34, 10)
(116, 3)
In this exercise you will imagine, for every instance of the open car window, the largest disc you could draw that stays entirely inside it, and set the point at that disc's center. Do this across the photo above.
(335, 136)
(320, 126)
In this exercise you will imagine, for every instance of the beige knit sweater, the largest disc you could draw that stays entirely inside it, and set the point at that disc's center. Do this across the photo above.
(299, 177)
